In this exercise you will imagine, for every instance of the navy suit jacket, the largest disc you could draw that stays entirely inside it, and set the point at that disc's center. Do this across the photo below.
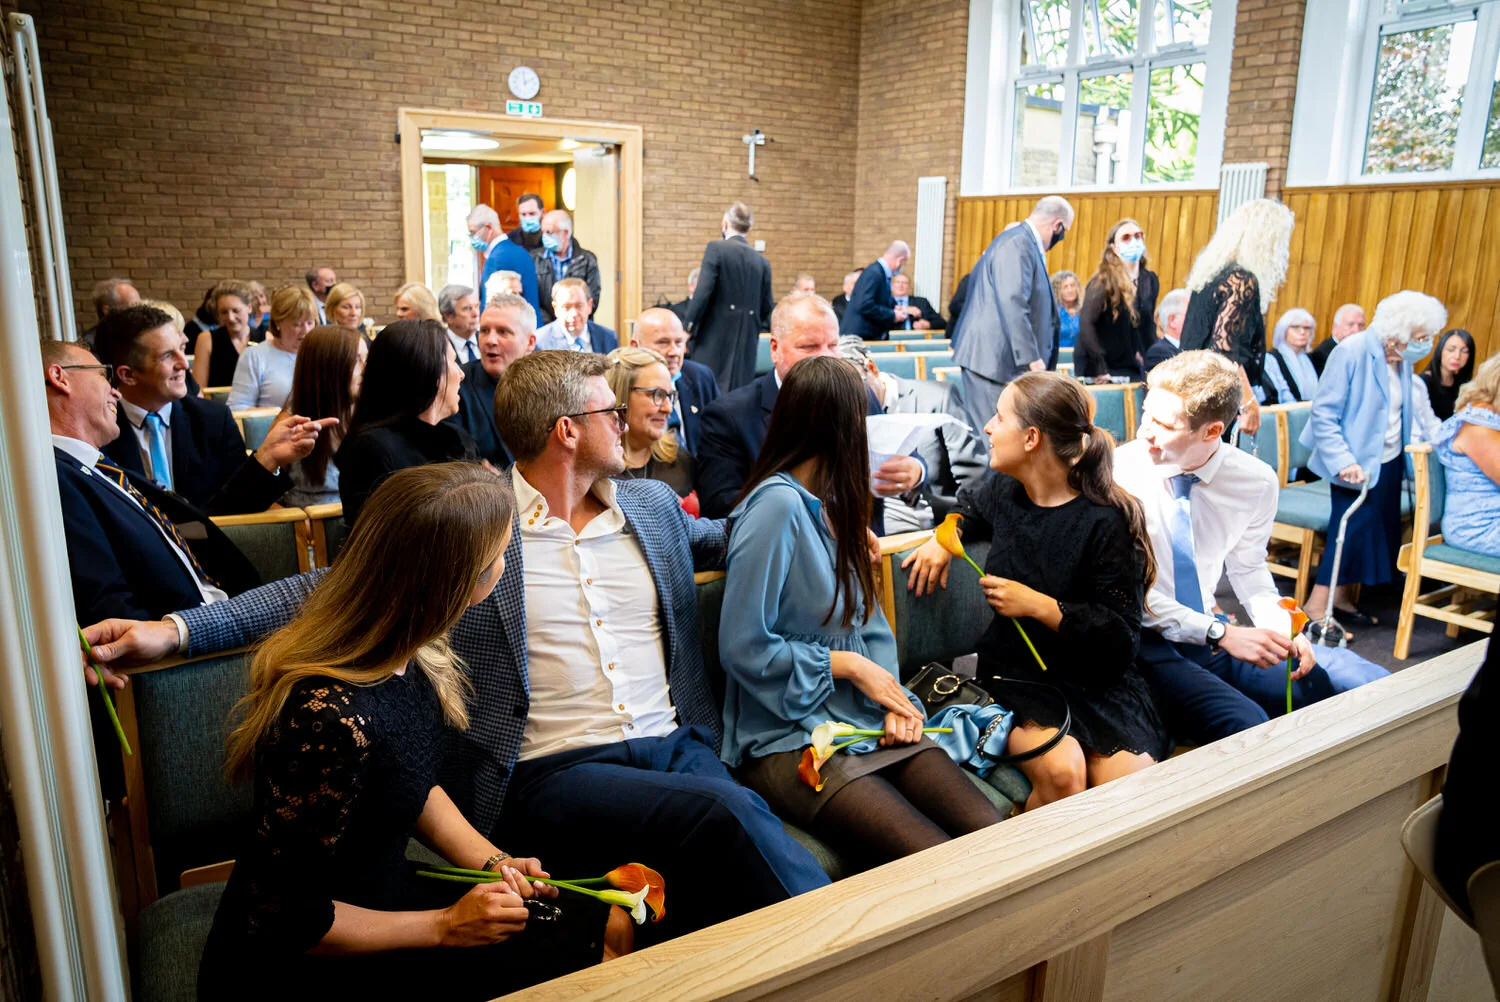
(209, 467)
(1161, 349)
(602, 338)
(696, 389)
(510, 256)
(476, 414)
(491, 639)
(120, 564)
(871, 313)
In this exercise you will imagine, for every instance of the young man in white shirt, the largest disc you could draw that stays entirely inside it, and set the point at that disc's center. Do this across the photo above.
(1209, 508)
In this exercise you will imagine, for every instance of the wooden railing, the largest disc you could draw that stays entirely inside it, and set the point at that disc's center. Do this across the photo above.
(1266, 865)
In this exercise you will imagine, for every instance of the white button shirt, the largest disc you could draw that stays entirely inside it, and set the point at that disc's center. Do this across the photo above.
(137, 418)
(1233, 507)
(595, 655)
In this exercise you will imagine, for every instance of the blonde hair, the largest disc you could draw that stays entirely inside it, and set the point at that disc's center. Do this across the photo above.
(625, 365)
(336, 297)
(420, 299)
(1258, 237)
(1207, 382)
(1484, 389)
(403, 579)
(169, 310)
(231, 287)
(290, 303)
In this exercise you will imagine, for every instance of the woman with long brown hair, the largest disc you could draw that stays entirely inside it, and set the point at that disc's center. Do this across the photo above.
(1071, 561)
(803, 641)
(1118, 321)
(330, 367)
(342, 732)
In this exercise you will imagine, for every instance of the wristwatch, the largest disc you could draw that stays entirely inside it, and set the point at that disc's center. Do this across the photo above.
(1216, 631)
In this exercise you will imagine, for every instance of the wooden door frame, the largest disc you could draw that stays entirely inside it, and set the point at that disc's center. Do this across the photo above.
(409, 125)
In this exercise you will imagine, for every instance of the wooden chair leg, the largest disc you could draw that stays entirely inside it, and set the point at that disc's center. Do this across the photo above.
(1304, 565)
(1407, 619)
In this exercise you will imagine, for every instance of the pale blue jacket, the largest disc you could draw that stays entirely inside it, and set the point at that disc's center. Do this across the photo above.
(1351, 409)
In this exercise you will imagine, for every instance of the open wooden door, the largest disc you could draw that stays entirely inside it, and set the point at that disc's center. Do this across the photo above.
(596, 224)
(499, 187)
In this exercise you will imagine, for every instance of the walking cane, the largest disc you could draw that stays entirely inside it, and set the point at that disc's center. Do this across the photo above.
(1327, 632)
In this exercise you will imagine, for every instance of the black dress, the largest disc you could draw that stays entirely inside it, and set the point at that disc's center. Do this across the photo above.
(1081, 554)
(1117, 345)
(1442, 397)
(677, 474)
(1225, 316)
(340, 781)
(223, 358)
(372, 453)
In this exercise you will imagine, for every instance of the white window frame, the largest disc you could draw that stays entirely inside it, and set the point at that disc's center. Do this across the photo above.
(996, 75)
(1341, 92)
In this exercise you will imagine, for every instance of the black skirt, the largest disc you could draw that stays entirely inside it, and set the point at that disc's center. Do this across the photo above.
(1107, 719)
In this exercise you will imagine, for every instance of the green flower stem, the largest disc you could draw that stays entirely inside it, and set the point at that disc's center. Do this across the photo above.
(109, 702)
(471, 877)
(1289, 685)
(1019, 628)
(881, 734)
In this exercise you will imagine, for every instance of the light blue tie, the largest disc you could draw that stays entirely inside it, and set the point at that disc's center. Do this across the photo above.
(578, 343)
(1184, 567)
(156, 446)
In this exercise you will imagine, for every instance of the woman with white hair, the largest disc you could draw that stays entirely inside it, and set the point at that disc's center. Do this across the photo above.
(1233, 283)
(1289, 373)
(1363, 417)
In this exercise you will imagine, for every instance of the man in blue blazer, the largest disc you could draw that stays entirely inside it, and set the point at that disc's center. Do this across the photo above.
(573, 305)
(593, 726)
(734, 426)
(1009, 321)
(872, 312)
(486, 236)
(183, 443)
(660, 330)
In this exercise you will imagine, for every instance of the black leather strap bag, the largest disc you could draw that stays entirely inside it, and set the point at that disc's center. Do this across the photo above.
(938, 687)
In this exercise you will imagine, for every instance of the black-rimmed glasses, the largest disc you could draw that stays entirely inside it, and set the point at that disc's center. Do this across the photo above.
(108, 372)
(618, 411)
(658, 397)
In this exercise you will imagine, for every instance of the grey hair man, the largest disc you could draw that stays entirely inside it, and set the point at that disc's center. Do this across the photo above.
(1009, 321)
(110, 294)
(459, 306)
(321, 279)
(506, 332)
(1347, 319)
(560, 257)
(1170, 314)
(872, 311)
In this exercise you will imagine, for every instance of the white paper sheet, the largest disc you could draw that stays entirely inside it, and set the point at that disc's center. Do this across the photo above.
(898, 434)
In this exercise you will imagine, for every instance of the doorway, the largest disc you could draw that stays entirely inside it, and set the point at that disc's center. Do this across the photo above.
(451, 161)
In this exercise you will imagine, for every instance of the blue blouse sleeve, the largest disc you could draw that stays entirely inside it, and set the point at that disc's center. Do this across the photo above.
(789, 678)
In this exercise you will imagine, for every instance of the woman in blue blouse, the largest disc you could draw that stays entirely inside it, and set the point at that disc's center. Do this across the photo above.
(1468, 446)
(1289, 375)
(803, 641)
(1067, 293)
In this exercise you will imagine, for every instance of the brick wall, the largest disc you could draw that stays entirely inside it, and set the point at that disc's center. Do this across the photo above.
(1263, 85)
(911, 120)
(199, 139)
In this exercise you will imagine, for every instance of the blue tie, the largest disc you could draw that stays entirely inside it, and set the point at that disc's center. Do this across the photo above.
(1184, 567)
(578, 343)
(473, 355)
(156, 446)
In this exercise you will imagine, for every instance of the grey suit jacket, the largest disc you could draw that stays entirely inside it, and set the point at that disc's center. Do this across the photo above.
(1009, 319)
(956, 456)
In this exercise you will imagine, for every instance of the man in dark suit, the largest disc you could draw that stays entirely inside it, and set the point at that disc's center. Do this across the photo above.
(660, 331)
(507, 331)
(732, 303)
(1347, 319)
(182, 443)
(681, 306)
(954, 455)
(920, 316)
(872, 312)
(1009, 320)
(734, 426)
(841, 301)
(561, 257)
(1170, 313)
(110, 294)
(500, 254)
(528, 236)
(573, 330)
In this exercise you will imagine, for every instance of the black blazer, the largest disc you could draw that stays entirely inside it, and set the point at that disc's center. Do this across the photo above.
(731, 305)
(956, 304)
(370, 454)
(840, 303)
(209, 467)
(696, 389)
(871, 313)
(476, 415)
(1159, 352)
(120, 563)
(930, 315)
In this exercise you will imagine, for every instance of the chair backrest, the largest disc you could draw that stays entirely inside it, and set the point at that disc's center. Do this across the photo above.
(763, 355)
(328, 532)
(1265, 444)
(934, 360)
(275, 542)
(947, 374)
(219, 393)
(1484, 896)
(884, 347)
(255, 423)
(1110, 412)
(1297, 454)
(935, 627)
(1430, 485)
(710, 604)
(182, 718)
(902, 364)
(1419, 839)
(911, 335)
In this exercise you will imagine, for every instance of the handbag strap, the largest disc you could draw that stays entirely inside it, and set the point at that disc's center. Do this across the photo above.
(1045, 746)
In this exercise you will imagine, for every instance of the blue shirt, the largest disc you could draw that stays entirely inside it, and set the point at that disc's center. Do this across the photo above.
(560, 264)
(773, 641)
(1067, 328)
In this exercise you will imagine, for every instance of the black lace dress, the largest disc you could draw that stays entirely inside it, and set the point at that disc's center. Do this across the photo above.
(340, 781)
(1225, 316)
(1081, 554)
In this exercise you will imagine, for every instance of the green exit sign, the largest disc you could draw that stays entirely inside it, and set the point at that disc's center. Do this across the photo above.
(526, 109)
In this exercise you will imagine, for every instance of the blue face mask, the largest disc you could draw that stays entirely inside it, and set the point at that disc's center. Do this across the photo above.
(530, 225)
(478, 242)
(549, 241)
(1415, 351)
(1133, 251)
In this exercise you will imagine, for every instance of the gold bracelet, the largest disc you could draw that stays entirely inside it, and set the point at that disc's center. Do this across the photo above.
(497, 858)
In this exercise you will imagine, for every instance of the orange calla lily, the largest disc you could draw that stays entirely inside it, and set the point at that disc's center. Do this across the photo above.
(633, 877)
(807, 769)
(1299, 618)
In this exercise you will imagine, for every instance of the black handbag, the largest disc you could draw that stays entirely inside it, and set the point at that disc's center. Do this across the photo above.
(938, 687)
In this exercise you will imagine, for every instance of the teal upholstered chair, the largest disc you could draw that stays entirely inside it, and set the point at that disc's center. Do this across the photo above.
(275, 542)
(255, 424)
(903, 365)
(936, 360)
(1065, 356)
(885, 347)
(910, 335)
(763, 355)
(328, 532)
(1110, 415)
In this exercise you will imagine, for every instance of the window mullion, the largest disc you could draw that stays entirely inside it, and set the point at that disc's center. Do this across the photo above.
(1474, 116)
(1069, 151)
(1145, 35)
(1075, 32)
(1135, 143)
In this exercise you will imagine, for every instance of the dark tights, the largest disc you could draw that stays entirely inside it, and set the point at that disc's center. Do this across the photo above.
(913, 805)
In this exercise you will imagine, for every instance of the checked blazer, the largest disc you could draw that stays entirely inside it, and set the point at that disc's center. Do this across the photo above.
(491, 639)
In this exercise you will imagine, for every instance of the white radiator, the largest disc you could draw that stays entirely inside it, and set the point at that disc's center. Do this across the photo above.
(1238, 184)
(927, 271)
